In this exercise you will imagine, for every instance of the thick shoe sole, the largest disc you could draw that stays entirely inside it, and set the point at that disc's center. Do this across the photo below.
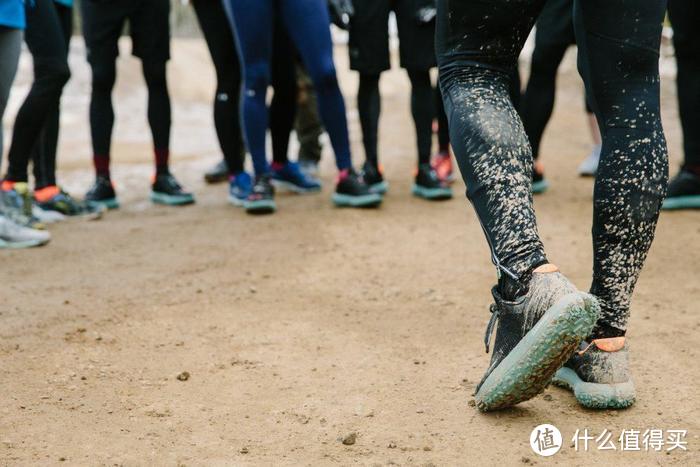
(529, 367)
(596, 395)
(111, 203)
(265, 206)
(379, 188)
(23, 244)
(285, 185)
(432, 194)
(540, 187)
(364, 201)
(682, 202)
(171, 200)
(239, 203)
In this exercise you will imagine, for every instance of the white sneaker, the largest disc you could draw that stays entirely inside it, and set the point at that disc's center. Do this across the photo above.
(15, 236)
(589, 167)
(47, 217)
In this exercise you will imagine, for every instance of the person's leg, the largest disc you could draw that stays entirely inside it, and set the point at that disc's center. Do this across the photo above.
(45, 38)
(619, 42)
(283, 107)
(10, 48)
(158, 112)
(423, 111)
(369, 107)
(308, 123)
(443, 128)
(222, 43)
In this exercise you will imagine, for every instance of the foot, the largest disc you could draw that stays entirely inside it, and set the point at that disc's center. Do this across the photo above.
(598, 374)
(217, 174)
(537, 333)
(539, 183)
(374, 179)
(683, 191)
(17, 205)
(309, 168)
(102, 194)
(261, 199)
(13, 235)
(589, 167)
(289, 176)
(54, 199)
(166, 190)
(442, 163)
(352, 191)
(239, 188)
(47, 217)
(429, 186)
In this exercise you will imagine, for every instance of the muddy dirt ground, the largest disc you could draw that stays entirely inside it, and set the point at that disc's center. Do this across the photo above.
(300, 328)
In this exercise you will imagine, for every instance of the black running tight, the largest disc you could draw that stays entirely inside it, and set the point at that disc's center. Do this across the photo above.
(478, 43)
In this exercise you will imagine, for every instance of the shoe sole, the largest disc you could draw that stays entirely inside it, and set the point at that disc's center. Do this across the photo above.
(110, 204)
(239, 203)
(529, 367)
(364, 201)
(260, 206)
(595, 395)
(214, 179)
(540, 187)
(23, 244)
(170, 200)
(432, 194)
(379, 188)
(681, 202)
(284, 185)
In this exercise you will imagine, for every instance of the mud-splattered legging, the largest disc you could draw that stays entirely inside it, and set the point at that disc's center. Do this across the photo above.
(477, 42)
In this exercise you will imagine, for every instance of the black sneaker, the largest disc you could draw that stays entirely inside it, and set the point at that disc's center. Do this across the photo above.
(374, 179)
(537, 333)
(102, 194)
(166, 190)
(683, 191)
(429, 186)
(352, 191)
(598, 374)
(217, 174)
(262, 199)
(54, 198)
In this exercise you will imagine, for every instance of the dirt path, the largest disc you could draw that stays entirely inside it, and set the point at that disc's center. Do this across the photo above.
(303, 327)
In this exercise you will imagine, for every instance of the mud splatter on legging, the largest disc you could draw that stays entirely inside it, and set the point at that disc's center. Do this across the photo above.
(478, 42)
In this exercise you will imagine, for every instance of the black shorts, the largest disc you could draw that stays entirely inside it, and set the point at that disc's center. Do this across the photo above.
(369, 36)
(149, 27)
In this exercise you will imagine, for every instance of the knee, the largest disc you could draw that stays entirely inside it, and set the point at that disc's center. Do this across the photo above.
(257, 79)
(324, 78)
(54, 74)
(103, 78)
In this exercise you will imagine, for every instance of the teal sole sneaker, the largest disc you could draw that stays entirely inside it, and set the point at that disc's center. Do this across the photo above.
(379, 188)
(596, 395)
(540, 187)
(530, 365)
(681, 202)
(110, 203)
(261, 206)
(433, 194)
(368, 200)
(171, 200)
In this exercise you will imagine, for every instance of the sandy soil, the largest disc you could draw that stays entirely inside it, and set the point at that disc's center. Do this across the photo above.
(303, 327)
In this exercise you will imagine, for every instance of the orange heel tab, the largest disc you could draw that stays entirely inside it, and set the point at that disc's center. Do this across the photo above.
(547, 268)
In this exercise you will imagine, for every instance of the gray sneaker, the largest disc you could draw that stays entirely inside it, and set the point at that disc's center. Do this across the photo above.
(16, 204)
(16, 236)
(47, 217)
(598, 374)
(537, 333)
(589, 166)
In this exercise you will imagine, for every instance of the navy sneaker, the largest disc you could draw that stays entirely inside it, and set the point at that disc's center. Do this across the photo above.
(429, 186)
(352, 191)
(239, 188)
(166, 190)
(372, 176)
(290, 176)
(102, 194)
(261, 199)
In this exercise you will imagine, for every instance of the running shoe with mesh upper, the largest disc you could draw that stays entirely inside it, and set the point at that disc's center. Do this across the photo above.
(598, 374)
(13, 235)
(683, 191)
(47, 217)
(352, 191)
(290, 177)
(54, 198)
(102, 194)
(218, 173)
(17, 204)
(261, 199)
(166, 190)
(239, 188)
(374, 179)
(536, 335)
(429, 186)
(442, 163)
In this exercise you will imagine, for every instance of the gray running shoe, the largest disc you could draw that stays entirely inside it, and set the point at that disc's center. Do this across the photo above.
(589, 166)
(16, 236)
(16, 204)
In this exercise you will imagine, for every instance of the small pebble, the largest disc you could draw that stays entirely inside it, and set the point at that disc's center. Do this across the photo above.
(184, 376)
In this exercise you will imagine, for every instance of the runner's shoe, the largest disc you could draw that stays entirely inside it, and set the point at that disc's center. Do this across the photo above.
(239, 188)
(102, 194)
(374, 179)
(537, 333)
(217, 174)
(352, 191)
(291, 177)
(54, 199)
(261, 199)
(442, 163)
(166, 190)
(17, 205)
(589, 167)
(539, 183)
(429, 186)
(598, 374)
(683, 191)
(13, 235)
(47, 217)
(309, 168)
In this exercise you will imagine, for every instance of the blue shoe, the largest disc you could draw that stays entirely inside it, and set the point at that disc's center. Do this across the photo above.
(291, 177)
(240, 187)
